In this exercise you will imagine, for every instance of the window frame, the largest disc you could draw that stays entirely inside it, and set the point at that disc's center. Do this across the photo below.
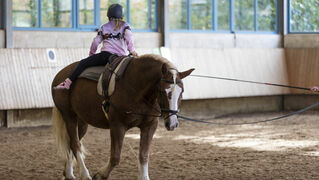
(289, 23)
(231, 17)
(75, 19)
(96, 16)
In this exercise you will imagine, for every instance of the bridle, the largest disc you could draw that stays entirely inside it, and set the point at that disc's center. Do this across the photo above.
(162, 109)
(165, 110)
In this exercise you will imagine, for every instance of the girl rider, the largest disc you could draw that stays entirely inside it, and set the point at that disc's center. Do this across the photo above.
(116, 36)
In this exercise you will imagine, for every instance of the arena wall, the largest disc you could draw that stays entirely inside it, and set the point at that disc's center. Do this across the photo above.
(2, 38)
(243, 56)
(301, 41)
(261, 65)
(3, 119)
(29, 117)
(64, 39)
(215, 40)
(217, 107)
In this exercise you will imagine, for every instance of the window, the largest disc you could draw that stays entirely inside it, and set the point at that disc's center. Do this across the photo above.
(86, 12)
(224, 15)
(244, 15)
(80, 14)
(25, 13)
(178, 14)
(142, 14)
(266, 15)
(56, 13)
(201, 11)
(304, 16)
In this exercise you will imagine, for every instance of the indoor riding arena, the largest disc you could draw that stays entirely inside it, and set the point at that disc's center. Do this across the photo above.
(249, 110)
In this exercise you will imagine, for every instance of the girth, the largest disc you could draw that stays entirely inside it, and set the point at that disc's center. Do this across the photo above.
(113, 72)
(107, 75)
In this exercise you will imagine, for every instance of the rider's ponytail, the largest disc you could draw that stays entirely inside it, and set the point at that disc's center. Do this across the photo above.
(118, 23)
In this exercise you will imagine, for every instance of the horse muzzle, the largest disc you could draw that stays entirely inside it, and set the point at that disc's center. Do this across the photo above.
(171, 123)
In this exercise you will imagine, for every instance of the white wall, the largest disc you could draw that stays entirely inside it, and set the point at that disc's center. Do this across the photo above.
(261, 65)
(49, 39)
(26, 74)
(52, 39)
(215, 40)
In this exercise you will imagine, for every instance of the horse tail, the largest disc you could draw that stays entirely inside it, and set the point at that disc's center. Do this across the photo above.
(61, 135)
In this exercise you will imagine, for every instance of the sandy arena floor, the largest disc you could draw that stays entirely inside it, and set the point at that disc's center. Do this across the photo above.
(286, 149)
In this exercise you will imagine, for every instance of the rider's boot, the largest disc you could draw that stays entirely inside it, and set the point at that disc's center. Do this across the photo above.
(64, 85)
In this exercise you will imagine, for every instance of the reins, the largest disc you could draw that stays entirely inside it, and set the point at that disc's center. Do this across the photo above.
(254, 82)
(169, 111)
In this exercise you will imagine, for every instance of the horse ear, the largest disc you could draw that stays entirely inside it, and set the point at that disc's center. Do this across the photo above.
(164, 69)
(185, 73)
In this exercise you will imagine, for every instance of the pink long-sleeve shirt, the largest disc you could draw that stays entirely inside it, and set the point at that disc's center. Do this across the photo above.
(120, 45)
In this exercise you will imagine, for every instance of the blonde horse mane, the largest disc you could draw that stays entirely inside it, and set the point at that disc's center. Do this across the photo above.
(159, 58)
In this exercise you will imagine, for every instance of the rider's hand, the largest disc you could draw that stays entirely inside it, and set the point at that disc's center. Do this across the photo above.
(134, 53)
(314, 89)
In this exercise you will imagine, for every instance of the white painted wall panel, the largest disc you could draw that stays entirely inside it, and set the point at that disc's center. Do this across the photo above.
(218, 40)
(26, 75)
(262, 65)
(62, 39)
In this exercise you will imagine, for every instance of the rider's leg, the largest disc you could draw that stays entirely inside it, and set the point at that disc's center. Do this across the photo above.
(99, 59)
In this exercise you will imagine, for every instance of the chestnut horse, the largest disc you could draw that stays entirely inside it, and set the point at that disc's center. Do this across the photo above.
(151, 87)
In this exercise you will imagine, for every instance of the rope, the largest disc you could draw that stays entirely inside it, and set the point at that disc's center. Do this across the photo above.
(254, 122)
(254, 82)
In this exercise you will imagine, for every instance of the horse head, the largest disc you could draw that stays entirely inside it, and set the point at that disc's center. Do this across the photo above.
(171, 90)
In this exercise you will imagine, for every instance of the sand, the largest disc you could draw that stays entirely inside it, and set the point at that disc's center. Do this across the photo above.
(286, 149)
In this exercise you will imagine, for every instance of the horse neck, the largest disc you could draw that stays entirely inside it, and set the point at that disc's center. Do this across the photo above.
(145, 76)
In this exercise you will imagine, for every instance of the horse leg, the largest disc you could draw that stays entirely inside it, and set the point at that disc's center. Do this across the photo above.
(68, 168)
(82, 128)
(63, 143)
(145, 143)
(117, 136)
(75, 145)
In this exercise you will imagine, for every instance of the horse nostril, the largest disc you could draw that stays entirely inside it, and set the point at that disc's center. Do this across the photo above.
(167, 124)
(177, 124)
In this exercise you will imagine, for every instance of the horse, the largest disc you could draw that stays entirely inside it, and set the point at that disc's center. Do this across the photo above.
(151, 87)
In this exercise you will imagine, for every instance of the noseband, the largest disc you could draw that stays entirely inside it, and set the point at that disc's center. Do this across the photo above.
(165, 110)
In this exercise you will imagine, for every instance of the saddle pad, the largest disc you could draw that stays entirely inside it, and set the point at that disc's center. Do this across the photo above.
(92, 73)
(119, 70)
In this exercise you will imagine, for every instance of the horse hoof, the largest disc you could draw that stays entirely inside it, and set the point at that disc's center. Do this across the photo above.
(97, 176)
(69, 178)
(86, 178)
(65, 178)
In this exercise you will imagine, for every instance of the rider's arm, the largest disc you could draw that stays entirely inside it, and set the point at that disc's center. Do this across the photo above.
(129, 42)
(95, 43)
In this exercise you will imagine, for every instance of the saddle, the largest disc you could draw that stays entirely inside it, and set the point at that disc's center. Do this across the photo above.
(107, 75)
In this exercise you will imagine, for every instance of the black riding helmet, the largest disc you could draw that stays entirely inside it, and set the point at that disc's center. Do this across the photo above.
(115, 11)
